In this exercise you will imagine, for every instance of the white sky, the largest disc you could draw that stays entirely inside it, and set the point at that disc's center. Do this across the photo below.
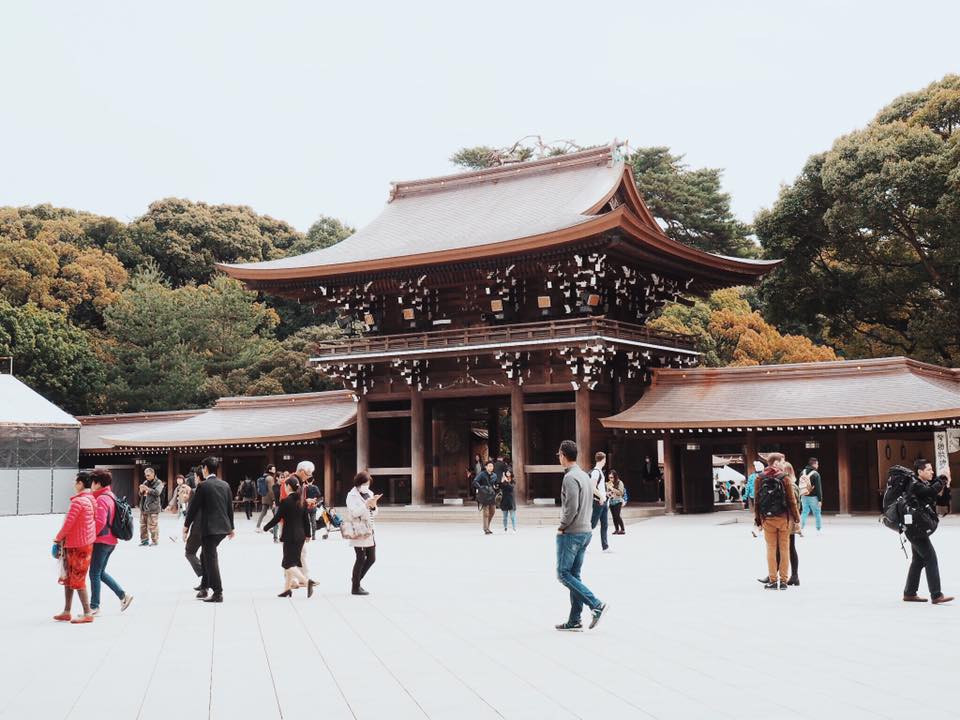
(307, 108)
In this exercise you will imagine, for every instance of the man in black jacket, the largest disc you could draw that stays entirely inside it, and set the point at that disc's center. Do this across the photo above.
(214, 501)
(485, 485)
(925, 489)
(194, 538)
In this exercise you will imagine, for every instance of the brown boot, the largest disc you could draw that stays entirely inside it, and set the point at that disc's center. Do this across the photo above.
(914, 598)
(942, 599)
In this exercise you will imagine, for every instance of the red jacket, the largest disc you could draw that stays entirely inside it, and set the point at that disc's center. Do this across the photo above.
(79, 526)
(106, 507)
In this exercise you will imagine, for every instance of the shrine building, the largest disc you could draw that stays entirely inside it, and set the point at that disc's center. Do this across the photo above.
(500, 311)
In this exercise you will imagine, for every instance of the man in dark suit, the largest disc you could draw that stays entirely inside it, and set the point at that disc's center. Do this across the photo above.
(214, 503)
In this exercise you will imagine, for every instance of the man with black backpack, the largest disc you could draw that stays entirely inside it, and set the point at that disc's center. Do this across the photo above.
(920, 497)
(485, 484)
(775, 505)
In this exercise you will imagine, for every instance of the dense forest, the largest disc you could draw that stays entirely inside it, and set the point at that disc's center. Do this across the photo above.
(106, 316)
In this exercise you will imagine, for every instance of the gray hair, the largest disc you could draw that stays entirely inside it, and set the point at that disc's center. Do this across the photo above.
(306, 466)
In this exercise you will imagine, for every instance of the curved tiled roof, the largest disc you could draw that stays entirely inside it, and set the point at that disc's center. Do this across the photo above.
(514, 208)
(236, 421)
(851, 392)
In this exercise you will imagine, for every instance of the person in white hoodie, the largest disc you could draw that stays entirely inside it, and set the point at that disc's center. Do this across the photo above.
(362, 503)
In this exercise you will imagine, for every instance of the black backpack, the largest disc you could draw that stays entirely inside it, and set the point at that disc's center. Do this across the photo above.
(772, 498)
(903, 512)
(121, 525)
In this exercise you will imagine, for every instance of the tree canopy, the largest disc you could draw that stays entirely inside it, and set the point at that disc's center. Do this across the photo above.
(690, 204)
(869, 235)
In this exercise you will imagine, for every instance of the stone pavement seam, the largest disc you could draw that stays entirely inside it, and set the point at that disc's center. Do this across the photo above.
(313, 641)
(156, 661)
(266, 655)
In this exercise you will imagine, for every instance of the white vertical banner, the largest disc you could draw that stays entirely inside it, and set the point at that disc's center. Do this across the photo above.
(953, 440)
(940, 452)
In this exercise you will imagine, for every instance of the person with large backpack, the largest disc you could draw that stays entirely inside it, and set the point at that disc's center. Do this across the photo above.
(485, 484)
(919, 499)
(110, 513)
(775, 506)
(811, 493)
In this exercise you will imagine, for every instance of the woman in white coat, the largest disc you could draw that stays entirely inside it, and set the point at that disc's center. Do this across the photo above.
(362, 502)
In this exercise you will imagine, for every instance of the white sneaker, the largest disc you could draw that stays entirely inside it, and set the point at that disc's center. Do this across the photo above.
(608, 550)
(125, 603)
(94, 611)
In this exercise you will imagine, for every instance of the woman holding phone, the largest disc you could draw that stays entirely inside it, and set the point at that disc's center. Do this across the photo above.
(362, 502)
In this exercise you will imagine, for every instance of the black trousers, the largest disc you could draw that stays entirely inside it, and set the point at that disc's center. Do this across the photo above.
(794, 558)
(193, 545)
(924, 558)
(365, 558)
(248, 508)
(312, 514)
(211, 563)
(617, 520)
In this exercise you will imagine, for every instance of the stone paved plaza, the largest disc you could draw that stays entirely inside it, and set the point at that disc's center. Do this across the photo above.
(460, 625)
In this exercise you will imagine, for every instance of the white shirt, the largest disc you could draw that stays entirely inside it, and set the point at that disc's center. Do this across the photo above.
(599, 484)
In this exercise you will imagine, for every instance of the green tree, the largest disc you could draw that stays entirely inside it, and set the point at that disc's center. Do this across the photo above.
(52, 356)
(869, 235)
(689, 203)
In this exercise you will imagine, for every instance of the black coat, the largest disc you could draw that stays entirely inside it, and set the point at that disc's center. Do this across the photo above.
(213, 503)
(508, 499)
(296, 522)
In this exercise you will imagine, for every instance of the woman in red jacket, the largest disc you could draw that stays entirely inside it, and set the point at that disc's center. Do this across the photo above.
(76, 538)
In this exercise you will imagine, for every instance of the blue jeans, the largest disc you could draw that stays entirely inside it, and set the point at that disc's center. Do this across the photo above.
(570, 551)
(98, 572)
(512, 515)
(600, 514)
(810, 504)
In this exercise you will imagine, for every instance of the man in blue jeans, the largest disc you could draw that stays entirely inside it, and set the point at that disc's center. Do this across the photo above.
(573, 537)
(601, 503)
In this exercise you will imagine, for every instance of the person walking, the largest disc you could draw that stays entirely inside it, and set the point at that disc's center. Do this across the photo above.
(811, 493)
(573, 537)
(650, 474)
(247, 493)
(105, 541)
(362, 504)
(775, 506)
(213, 503)
(508, 499)
(485, 485)
(616, 492)
(150, 504)
(265, 490)
(194, 537)
(600, 500)
(295, 533)
(924, 491)
(75, 539)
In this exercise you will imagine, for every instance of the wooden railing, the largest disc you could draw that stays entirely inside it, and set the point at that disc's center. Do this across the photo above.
(500, 334)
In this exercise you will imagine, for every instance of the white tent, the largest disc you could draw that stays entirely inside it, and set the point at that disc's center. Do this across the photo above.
(39, 451)
(728, 473)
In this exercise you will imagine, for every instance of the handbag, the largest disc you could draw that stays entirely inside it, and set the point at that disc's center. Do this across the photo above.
(62, 565)
(356, 528)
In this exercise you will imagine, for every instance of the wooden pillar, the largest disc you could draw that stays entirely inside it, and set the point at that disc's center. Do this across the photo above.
(363, 434)
(271, 456)
(843, 471)
(493, 431)
(584, 455)
(328, 488)
(518, 449)
(418, 464)
(171, 472)
(670, 478)
(750, 450)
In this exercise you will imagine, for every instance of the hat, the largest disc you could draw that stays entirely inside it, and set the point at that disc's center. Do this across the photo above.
(758, 466)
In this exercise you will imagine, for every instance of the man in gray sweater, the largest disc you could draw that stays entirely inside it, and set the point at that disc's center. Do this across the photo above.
(573, 537)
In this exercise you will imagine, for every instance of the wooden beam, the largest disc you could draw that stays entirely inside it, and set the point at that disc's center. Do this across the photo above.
(171, 473)
(418, 464)
(550, 406)
(843, 471)
(363, 434)
(328, 487)
(390, 471)
(584, 456)
(669, 477)
(533, 469)
(383, 414)
(750, 450)
(518, 439)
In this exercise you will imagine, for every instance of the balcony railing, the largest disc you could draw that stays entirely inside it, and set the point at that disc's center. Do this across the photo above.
(515, 334)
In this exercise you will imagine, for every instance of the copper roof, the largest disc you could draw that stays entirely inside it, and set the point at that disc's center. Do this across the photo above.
(499, 211)
(232, 421)
(851, 392)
